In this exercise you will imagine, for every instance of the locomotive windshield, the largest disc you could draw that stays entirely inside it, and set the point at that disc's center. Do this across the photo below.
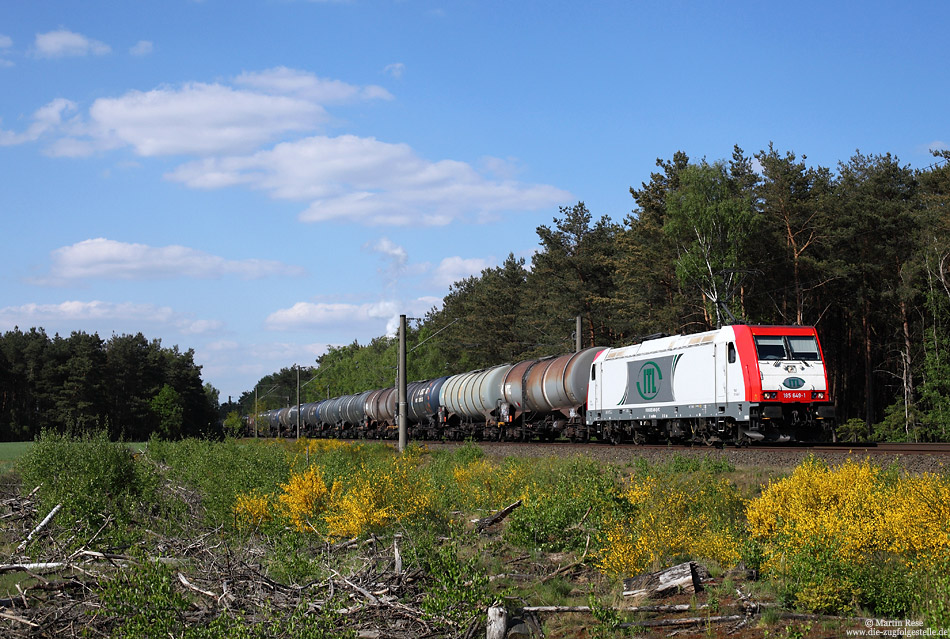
(800, 347)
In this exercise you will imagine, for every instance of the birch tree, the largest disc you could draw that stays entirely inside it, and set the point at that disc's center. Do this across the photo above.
(710, 222)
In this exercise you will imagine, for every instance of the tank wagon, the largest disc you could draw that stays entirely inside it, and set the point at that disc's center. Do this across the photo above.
(739, 384)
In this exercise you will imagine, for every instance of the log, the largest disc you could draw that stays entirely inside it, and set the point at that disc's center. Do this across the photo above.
(39, 567)
(681, 578)
(587, 609)
(692, 621)
(497, 622)
(491, 520)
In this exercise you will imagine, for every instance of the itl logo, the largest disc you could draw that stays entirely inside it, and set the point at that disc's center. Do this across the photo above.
(649, 382)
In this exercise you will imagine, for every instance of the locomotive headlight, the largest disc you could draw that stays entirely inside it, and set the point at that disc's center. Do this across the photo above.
(770, 395)
(818, 394)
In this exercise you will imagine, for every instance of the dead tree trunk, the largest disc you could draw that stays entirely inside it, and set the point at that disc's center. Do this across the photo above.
(682, 578)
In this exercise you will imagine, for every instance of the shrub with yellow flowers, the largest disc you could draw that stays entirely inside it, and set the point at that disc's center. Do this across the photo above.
(484, 484)
(851, 535)
(664, 518)
(304, 497)
(380, 495)
(382, 490)
(252, 510)
(857, 508)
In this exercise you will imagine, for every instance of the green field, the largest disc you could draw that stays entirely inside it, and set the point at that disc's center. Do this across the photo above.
(10, 452)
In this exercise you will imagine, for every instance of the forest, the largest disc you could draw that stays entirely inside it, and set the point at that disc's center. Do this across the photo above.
(861, 252)
(126, 386)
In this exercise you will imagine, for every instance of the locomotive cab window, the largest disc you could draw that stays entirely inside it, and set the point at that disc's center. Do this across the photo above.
(770, 347)
(804, 347)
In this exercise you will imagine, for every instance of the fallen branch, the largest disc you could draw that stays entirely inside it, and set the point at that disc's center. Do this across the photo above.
(560, 609)
(40, 527)
(27, 622)
(569, 566)
(57, 565)
(369, 596)
(691, 621)
(187, 584)
(491, 520)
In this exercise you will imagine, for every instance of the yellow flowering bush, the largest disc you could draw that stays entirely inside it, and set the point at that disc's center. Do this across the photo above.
(252, 510)
(664, 520)
(483, 484)
(378, 492)
(854, 534)
(377, 497)
(303, 497)
(856, 508)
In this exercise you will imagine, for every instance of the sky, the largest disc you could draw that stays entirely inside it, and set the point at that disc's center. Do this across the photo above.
(258, 180)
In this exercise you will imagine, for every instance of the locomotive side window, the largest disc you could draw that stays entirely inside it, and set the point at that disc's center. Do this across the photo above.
(804, 347)
(732, 353)
(770, 347)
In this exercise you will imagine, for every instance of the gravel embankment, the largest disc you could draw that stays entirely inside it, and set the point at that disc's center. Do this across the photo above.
(738, 457)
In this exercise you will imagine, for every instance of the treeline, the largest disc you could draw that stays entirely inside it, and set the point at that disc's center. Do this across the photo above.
(129, 386)
(862, 252)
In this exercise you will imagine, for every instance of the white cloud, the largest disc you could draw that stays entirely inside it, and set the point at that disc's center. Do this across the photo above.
(198, 119)
(209, 119)
(142, 47)
(108, 259)
(302, 84)
(453, 269)
(199, 327)
(395, 70)
(63, 43)
(102, 315)
(307, 315)
(5, 41)
(45, 119)
(347, 177)
(368, 181)
(395, 256)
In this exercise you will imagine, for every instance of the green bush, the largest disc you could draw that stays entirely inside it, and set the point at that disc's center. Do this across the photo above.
(145, 602)
(93, 478)
(457, 588)
(564, 501)
(219, 471)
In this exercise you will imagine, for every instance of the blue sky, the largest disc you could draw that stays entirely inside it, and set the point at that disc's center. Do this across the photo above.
(260, 179)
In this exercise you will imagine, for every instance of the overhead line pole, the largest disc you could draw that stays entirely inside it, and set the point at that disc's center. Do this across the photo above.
(401, 383)
(298, 401)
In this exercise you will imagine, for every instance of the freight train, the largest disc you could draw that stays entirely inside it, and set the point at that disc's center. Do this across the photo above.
(739, 384)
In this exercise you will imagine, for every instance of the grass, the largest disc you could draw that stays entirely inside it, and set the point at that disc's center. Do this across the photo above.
(10, 452)
(662, 513)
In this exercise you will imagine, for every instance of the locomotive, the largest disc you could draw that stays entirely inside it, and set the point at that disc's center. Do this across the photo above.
(739, 384)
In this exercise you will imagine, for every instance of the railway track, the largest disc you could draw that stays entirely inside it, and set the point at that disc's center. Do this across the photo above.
(884, 448)
(942, 449)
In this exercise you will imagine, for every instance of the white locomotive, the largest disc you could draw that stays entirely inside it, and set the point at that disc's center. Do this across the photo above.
(738, 384)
